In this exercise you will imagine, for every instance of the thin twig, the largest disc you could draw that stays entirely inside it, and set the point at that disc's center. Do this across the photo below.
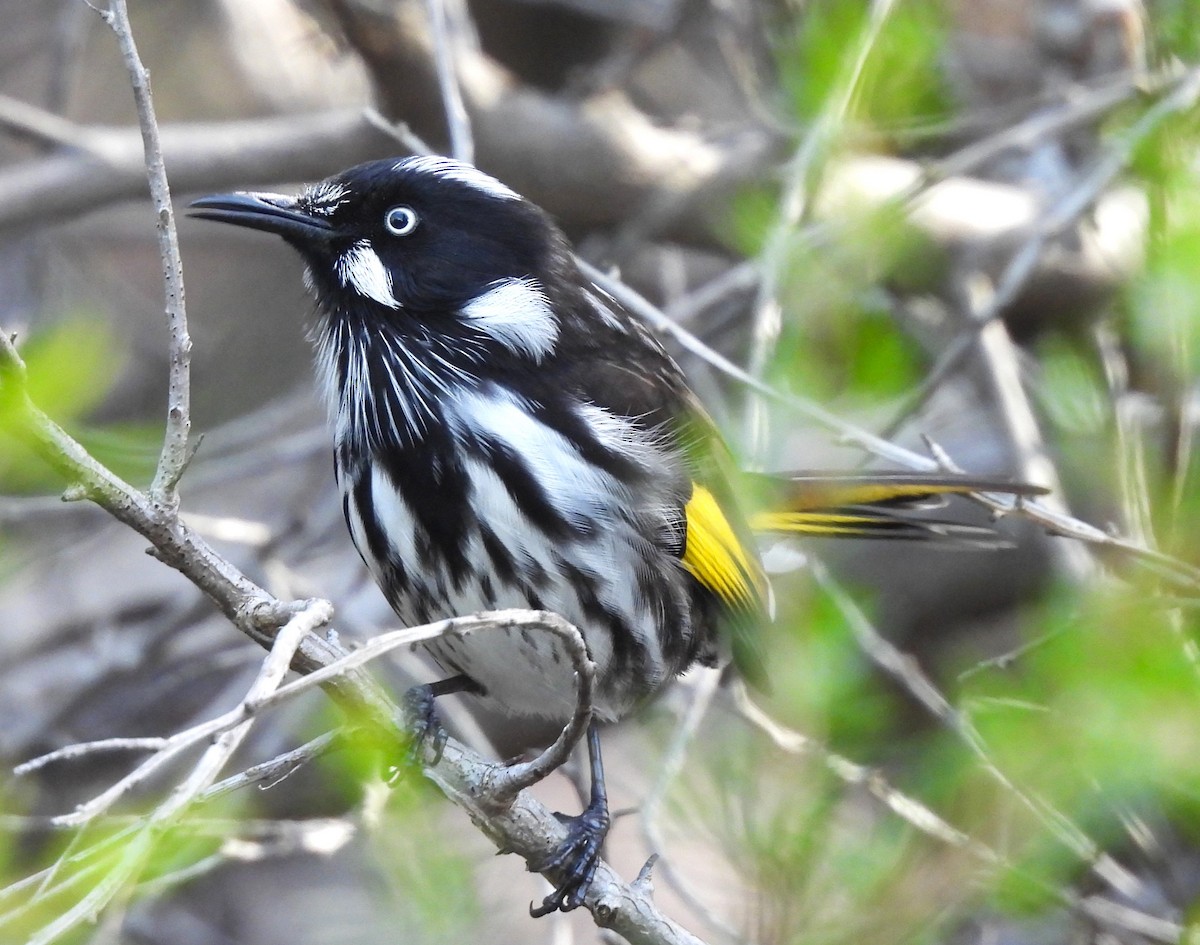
(318, 614)
(23, 120)
(398, 130)
(908, 673)
(919, 816)
(1063, 213)
(71, 752)
(174, 457)
(446, 38)
(525, 827)
(803, 180)
(138, 849)
(704, 688)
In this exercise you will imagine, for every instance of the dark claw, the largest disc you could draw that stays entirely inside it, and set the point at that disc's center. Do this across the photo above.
(421, 719)
(576, 859)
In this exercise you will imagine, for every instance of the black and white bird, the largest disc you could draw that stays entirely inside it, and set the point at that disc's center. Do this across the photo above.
(507, 435)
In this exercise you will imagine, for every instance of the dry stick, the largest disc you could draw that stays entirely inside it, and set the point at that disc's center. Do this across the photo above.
(174, 457)
(526, 827)
(506, 783)
(99, 483)
(136, 852)
(1000, 365)
(1132, 486)
(446, 45)
(1132, 479)
(398, 130)
(1065, 117)
(273, 771)
(317, 614)
(255, 612)
(855, 775)
(704, 688)
(1063, 213)
(23, 120)
(71, 752)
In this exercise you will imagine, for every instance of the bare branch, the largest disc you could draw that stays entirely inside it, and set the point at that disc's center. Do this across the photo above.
(925, 820)
(447, 40)
(71, 752)
(135, 852)
(228, 729)
(106, 164)
(174, 455)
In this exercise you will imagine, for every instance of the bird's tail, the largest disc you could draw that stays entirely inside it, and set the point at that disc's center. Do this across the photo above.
(874, 505)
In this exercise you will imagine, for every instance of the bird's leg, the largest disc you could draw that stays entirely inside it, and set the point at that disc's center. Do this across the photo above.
(421, 717)
(578, 855)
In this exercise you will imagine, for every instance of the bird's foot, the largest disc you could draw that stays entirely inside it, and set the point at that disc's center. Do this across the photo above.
(575, 859)
(423, 724)
(421, 717)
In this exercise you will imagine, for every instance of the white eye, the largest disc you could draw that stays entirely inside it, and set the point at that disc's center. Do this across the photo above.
(401, 220)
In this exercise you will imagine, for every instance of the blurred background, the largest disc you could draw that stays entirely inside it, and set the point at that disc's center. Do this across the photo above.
(969, 220)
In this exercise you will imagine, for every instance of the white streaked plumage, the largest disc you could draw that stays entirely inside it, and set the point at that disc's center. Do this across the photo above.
(523, 672)
(517, 314)
(449, 169)
(602, 304)
(578, 489)
(362, 410)
(361, 269)
(324, 197)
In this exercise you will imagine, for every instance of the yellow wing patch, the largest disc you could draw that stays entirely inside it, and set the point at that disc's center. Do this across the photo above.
(715, 556)
(825, 524)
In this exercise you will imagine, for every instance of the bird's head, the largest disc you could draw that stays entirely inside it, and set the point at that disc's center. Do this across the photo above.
(419, 238)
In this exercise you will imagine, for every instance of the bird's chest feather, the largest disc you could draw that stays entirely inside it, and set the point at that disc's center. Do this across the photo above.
(499, 508)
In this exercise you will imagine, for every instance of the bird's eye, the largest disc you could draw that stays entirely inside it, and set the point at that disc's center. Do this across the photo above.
(401, 220)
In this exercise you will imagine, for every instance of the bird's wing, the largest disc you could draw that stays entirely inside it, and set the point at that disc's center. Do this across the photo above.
(631, 375)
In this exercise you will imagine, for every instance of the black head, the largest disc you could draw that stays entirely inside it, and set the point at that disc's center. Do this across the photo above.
(419, 235)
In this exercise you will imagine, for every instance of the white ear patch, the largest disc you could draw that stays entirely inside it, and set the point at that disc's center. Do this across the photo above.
(517, 314)
(360, 268)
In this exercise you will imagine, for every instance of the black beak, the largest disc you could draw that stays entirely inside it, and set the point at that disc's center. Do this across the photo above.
(270, 212)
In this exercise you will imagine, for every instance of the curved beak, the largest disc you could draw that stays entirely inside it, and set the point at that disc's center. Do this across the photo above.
(270, 212)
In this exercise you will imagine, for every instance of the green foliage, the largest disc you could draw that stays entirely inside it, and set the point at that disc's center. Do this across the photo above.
(901, 83)
(1088, 724)
(70, 367)
(433, 879)
(820, 683)
(1175, 29)
(1096, 718)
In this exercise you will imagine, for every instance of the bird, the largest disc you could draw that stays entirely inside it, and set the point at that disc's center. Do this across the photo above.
(507, 434)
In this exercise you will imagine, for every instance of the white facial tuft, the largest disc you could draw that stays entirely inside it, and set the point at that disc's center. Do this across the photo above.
(360, 268)
(449, 169)
(517, 314)
(324, 197)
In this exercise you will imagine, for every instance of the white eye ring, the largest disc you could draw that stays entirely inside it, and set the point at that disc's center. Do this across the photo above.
(401, 220)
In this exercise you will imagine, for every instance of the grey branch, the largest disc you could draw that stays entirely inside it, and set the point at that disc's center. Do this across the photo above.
(174, 457)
